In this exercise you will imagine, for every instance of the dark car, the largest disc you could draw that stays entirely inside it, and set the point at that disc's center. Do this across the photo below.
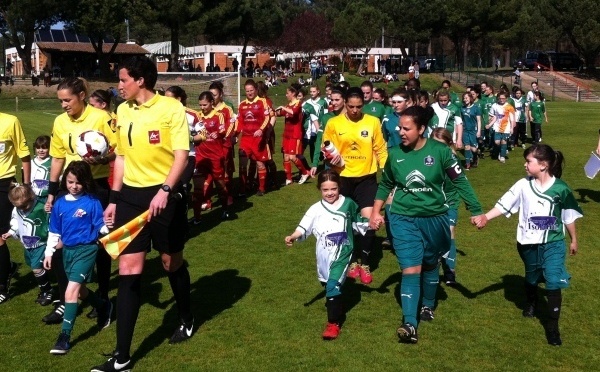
(565, 61)
(533, 59)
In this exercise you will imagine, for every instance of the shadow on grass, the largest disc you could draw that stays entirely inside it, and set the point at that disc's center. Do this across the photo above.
(212, 218)
(21, 284)
(210, 295)
(584, 194)
(513, 287)
(351, 294)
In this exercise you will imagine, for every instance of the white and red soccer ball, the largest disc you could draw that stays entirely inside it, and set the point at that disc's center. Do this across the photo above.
(92, 143)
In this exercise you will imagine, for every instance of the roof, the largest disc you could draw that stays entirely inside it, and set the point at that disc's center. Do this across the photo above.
(122, 48)
(164, 49)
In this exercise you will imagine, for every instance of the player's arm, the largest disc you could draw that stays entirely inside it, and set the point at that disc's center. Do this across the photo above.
(573, 247)
(460, 181)
(56, 168)
(478, 118)
(458, 127)
(545, 114)
(267, 118)
(22, 151)
(379, 146)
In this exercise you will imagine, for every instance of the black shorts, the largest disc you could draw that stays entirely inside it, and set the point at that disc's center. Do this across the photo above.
(360, 189)
(6, 207)
(166, 232)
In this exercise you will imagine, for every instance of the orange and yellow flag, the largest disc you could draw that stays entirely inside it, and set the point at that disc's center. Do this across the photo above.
(117, 241)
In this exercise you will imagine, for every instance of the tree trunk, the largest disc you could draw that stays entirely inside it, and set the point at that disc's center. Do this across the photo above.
(24, 52)
(174, 58)
(244, 46)
(465, 53)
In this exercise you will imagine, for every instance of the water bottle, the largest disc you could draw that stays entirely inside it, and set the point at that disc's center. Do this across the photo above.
(329, 152)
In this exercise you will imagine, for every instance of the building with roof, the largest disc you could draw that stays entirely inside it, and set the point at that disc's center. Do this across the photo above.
(67, 53)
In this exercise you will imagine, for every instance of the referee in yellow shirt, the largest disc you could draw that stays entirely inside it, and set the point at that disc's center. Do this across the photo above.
(12, 146)
(152, 153)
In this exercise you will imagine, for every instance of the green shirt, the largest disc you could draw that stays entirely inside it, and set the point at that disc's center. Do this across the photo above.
(419, 177)
(446, 117)
(486, 103)
(319, 140)
(537, 109)
(309, 114)
(374, 108)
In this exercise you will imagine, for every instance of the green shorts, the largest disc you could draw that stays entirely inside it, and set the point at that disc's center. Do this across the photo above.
(34, 257)
(79, 262)
(419, 240)
(453, 216)
(545, 262)
(501, 136)
(470, 139)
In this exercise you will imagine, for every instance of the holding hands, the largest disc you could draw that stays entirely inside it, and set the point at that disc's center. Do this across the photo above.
(480, 221)
(375, 221)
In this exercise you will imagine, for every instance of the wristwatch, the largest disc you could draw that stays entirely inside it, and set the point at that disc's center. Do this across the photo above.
(166, 188)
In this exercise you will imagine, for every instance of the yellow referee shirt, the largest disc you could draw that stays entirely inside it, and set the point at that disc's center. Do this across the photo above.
(360, 144)
(12, 145)
(66, 131)
(147, 135)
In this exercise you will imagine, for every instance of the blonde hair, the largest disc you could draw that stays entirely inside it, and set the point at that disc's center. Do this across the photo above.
(445, 136)
(21, 193)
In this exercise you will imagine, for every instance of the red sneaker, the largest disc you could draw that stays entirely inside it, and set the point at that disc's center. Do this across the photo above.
(365, 274)
(331, 332)
(354, 270)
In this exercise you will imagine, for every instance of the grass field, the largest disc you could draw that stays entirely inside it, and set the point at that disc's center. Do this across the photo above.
(258, 305)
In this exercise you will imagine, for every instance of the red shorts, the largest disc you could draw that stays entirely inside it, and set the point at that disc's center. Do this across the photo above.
(292, 146)
(255, 148)
(212, 166)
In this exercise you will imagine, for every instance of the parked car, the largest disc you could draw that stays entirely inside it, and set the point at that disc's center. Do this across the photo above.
(533, 59)
(565, 61)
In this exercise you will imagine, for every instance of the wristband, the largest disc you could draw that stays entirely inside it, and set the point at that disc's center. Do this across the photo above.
(53, 187)
(114, 197)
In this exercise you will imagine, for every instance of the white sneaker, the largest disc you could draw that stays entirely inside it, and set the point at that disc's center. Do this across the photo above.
(540, 139)
(303, 178)
(502, 159)
(288, 182)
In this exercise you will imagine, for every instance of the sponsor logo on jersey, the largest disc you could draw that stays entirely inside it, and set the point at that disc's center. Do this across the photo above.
(153, 137)
(364, 133)
(41, 184)
(79, 213)
(336, 239)
(542, 223)
(417, 180)
(30, 241)
(429, 160)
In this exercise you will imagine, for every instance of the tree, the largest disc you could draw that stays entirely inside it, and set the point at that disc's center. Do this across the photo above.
(359, 26)
(414, 21)
(98, 19)
(175, 15)
(20, 19)
(251, 20)
(307, 33)
(580, 21)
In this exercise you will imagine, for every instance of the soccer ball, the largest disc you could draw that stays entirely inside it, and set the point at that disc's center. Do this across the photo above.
(92, 143)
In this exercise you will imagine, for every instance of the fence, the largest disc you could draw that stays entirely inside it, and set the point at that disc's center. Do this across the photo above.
(16, 104)
(553, 84)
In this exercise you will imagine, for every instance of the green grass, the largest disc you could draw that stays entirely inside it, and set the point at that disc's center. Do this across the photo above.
(254, 299)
